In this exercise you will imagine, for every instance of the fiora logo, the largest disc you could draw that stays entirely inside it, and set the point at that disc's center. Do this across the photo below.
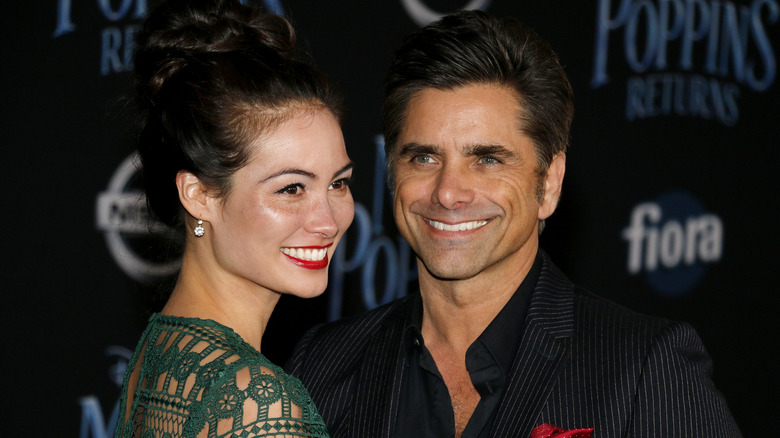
(673, 240)
(122, 215)
(423, 15)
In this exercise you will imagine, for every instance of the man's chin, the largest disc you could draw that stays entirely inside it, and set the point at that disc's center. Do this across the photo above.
(450, 271)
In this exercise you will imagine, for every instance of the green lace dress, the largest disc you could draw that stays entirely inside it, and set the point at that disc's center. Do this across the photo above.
(197, 378)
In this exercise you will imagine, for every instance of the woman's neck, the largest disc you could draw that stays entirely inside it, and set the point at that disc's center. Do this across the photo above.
(243, 306)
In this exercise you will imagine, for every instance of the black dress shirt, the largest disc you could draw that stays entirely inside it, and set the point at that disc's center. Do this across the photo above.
(425, 408)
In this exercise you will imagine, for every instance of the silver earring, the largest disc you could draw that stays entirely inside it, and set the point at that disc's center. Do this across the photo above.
(199, 230)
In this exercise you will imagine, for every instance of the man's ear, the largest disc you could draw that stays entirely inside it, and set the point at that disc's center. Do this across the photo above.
(553, 184)
(193, 195)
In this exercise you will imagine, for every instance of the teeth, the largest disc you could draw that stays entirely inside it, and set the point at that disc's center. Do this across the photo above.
(463, 226)
(311, 255)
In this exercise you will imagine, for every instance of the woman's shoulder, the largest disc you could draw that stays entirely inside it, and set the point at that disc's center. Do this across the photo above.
(231, 381)
(258, 395)
(264, 382)
(203, 330)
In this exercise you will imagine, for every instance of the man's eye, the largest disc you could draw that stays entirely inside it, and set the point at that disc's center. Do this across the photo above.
(488, 160)
(292, 189)
(422, 159)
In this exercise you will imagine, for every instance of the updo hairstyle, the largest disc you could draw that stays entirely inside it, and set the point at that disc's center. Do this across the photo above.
(212, 76)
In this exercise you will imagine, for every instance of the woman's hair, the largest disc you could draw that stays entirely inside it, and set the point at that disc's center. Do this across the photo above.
(213, 76)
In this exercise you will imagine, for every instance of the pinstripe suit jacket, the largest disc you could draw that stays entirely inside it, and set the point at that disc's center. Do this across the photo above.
(582, 362)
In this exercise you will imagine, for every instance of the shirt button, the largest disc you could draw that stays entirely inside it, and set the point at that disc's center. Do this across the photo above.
(416, 342)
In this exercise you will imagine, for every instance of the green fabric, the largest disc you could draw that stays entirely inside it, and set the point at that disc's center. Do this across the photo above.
(191, 377)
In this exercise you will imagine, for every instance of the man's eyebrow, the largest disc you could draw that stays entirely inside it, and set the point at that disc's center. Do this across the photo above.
(411, 149)
(481, 150)
(291, 171)
(475, 150)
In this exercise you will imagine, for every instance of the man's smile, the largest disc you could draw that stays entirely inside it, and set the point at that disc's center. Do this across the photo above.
(463, 226)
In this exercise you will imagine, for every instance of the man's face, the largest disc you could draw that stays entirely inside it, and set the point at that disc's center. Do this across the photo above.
(465, 183)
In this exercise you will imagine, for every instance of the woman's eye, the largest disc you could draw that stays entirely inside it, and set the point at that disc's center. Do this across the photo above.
(340, 184)
(292, 189)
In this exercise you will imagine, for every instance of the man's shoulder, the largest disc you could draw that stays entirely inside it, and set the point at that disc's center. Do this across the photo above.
(343, 342)
(589, 307)
(356, 328)
(598, 320)
(600, 327)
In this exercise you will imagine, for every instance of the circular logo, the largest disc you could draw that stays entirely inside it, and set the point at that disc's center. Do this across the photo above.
(673, 240)
(423, 15)
(131, 235)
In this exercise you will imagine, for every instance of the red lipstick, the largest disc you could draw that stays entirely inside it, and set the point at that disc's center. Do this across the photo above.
(310, 264)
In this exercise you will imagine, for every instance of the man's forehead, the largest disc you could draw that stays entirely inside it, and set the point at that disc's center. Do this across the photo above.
(473, 119)
(474, 104)
(468, 91)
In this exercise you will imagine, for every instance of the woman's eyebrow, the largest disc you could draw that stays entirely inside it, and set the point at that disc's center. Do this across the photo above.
(291, 171)
(344, 169)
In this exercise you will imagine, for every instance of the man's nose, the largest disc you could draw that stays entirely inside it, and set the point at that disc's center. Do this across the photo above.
(453, 187)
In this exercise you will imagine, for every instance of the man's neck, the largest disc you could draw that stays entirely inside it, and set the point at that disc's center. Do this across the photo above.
(456, 312)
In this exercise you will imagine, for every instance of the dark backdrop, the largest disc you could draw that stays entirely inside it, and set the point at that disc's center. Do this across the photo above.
(668, 206)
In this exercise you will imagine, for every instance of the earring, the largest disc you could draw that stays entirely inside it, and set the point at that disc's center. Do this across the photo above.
(199, 230)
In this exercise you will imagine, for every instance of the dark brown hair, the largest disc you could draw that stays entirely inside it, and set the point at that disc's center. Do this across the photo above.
(472, 47)
(212, 76)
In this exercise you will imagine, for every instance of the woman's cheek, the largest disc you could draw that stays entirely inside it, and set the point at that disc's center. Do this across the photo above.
(347, 213)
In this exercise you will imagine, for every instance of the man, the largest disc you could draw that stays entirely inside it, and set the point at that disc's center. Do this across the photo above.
(498, 341)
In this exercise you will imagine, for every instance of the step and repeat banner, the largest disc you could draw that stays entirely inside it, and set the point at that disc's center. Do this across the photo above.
(669, 200)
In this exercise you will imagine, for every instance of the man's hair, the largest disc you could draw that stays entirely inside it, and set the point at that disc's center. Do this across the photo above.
(472, 47)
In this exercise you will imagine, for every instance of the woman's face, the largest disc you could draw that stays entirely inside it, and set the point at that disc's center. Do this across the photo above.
(287, 208)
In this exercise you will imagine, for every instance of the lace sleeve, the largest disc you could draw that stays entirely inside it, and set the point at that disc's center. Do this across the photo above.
(256, 401)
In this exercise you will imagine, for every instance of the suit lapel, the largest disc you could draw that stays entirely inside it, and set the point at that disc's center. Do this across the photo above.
(379, 379)
(543, 350)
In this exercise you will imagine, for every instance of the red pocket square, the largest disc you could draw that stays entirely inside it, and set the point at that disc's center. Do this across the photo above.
(547, 430)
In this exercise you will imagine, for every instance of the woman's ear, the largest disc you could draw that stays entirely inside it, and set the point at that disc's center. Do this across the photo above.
(193, 195)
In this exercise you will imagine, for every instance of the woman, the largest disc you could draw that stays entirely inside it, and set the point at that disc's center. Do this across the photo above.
(241, 150)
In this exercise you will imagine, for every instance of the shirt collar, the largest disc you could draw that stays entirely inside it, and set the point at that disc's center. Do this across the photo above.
(412, 333)
(502, 336)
